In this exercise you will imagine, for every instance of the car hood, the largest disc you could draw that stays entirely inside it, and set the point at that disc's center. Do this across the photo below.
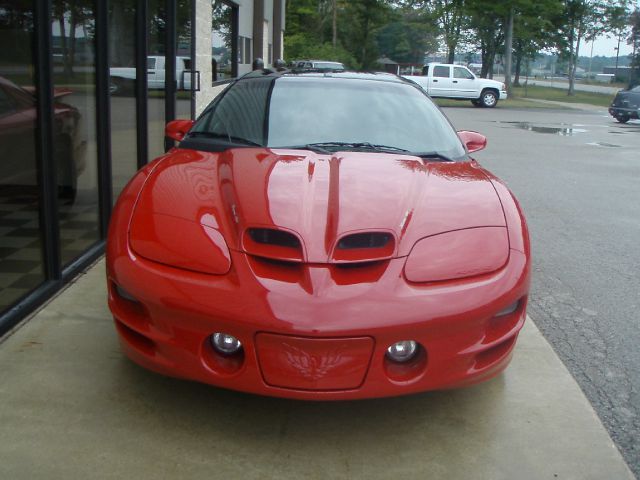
(320, 198)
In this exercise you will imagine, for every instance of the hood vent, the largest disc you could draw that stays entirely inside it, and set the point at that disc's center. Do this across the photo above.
(365, 240)
(268, 236)
(274, 244)
(364, 247)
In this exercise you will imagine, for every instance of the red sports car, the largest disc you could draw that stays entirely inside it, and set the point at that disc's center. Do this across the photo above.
(319, 236)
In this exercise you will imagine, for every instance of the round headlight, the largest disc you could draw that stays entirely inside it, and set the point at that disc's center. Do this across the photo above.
(402, 351)
(225, 344)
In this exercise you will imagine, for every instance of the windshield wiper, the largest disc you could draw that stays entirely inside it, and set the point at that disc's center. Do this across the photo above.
(438, 157)
(230, 138)
(331, 147)
(328, 147)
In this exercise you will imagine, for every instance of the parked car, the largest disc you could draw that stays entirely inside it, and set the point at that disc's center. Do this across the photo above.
(122, 79)
(319, 236)
(18, 139)
(441, 80)
(626, 105)
(319, 65)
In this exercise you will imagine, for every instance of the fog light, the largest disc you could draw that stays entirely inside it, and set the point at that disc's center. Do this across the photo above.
(402, 351)
(122, 293)
(225, 344)
(508, 310)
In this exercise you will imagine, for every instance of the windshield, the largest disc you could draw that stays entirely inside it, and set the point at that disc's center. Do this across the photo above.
(331, 65)
(337, 113)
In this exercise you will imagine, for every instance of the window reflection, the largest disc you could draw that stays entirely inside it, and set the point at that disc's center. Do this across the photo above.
(21, 263)
(74, 141)
(122, 76)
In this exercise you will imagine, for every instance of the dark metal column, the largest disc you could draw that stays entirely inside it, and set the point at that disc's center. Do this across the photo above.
(277, 29)
(103, 116)
(258, 30)
(47, 175)
(235, 28)
(170, 68)
(142, 115)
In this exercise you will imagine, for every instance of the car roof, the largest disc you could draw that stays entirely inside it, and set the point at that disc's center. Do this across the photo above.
(346, 74)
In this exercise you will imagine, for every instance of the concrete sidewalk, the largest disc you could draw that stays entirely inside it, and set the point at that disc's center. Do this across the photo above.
(73, 407)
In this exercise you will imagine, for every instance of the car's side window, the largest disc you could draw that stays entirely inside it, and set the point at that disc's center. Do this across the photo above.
(441, 71)
(459, 72)
(151, 63)
(240, 113)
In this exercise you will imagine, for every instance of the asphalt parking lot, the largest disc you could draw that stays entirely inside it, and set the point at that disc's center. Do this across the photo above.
(576, 175)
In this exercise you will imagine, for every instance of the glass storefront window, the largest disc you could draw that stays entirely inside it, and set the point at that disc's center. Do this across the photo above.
(21, 254)
(183, 60)
(122, 77)
(221, 37)
(74, 136)
(155, 77)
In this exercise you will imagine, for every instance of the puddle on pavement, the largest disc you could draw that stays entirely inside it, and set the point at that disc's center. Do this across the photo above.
(564, 129)
(604, 144)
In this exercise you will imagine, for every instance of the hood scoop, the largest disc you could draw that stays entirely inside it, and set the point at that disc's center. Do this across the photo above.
(273, 243)
(364, 247)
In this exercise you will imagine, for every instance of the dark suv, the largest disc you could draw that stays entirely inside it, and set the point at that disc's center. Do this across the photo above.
(626, 104)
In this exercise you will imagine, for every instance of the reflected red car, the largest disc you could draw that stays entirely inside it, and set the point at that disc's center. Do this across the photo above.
(319, 237)
(18, 133)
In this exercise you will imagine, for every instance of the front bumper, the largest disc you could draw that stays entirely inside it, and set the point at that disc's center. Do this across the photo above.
(624, 112)
(503, 95)
(168, 329)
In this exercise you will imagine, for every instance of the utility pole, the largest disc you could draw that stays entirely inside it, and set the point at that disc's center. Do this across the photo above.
(508, 47)
(591, 58)
(335, 23)
(617, 55)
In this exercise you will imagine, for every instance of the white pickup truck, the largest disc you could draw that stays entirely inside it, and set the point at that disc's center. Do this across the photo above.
(457, 82)
(122, 79)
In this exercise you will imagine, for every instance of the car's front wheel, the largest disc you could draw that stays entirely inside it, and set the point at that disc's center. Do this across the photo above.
(488, 98)
(66, 169)
(119, 86)
(622, 118)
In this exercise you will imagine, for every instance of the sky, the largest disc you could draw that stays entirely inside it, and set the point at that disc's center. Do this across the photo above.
(604, 46)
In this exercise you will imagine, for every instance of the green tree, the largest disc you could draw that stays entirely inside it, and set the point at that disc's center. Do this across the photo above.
(534, 24)
(308, 26)
(585, 19)
(358, 27)
(408, 35)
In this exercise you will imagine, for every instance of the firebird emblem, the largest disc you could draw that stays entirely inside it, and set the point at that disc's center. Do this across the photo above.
(313, 367)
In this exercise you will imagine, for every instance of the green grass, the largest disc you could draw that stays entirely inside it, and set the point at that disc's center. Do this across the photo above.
(519, 96)
(560, 95)
(508, 103)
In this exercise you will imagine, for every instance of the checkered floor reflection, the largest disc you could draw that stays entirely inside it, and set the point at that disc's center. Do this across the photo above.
(21, 246)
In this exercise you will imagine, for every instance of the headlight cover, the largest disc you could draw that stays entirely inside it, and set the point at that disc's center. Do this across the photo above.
(458, 254)
(180, 243)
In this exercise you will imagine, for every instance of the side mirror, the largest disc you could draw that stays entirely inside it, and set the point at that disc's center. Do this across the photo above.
(177, 129)
(474, 141)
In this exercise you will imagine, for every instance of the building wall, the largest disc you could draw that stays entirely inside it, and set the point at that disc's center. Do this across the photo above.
(260, 30)
(203, 52)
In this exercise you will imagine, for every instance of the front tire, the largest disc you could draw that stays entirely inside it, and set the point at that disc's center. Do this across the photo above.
(622, 118)
(66, 169)
(488, 98)
(119, 86)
